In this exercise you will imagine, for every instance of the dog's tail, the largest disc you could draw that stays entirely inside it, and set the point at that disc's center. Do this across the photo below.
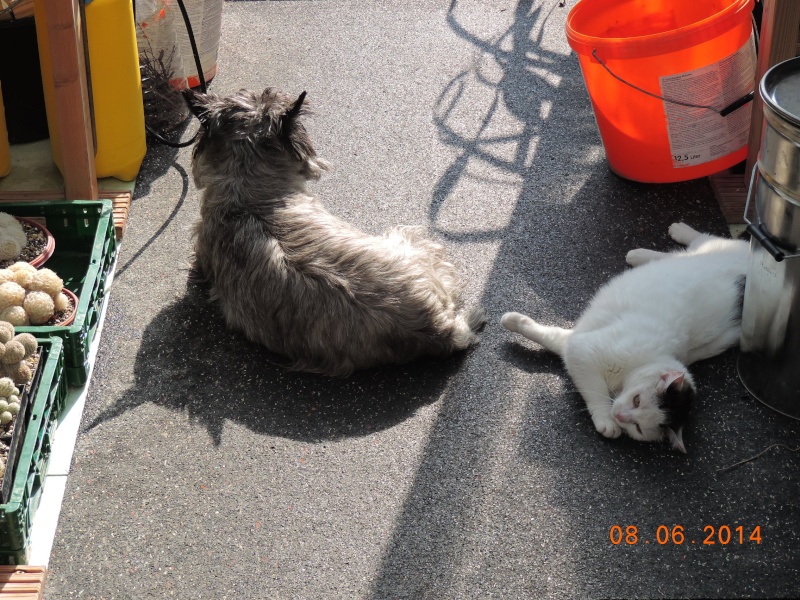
(475, 318)
(467, 324)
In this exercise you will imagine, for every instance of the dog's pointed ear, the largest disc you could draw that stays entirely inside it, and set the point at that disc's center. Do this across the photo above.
(294, 111)
(197, 103)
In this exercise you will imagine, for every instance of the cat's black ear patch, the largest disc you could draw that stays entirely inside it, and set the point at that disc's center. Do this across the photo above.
(676, 403)
(680, 394)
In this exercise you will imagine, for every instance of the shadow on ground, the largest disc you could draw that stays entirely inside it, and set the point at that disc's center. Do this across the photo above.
(187, 356)
(542, 527)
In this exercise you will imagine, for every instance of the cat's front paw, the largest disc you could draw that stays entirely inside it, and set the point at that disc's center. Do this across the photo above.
(637, 257)
(607, 426)
(512, 321)
(682, 233)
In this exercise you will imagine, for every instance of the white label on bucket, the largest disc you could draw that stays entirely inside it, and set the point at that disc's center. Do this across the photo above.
(700, 135)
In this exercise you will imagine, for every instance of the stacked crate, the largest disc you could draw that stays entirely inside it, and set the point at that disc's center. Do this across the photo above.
(85, 249)
(86, 234)
(48, 400)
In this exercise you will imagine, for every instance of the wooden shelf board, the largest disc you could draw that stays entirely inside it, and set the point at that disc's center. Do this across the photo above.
(34, 177)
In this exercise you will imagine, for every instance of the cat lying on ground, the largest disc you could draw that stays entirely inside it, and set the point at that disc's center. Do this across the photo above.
(628, 353)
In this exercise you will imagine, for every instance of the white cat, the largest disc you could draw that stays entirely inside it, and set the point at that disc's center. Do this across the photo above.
(628, 352)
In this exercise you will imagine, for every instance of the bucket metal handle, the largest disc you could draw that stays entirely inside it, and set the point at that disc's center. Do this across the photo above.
(758, 230)
(723, 112)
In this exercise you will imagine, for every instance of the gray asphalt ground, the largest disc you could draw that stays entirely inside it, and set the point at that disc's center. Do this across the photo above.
(202, 470)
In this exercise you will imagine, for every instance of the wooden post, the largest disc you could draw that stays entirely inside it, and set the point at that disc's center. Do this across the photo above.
(780, 22)
(72, 98)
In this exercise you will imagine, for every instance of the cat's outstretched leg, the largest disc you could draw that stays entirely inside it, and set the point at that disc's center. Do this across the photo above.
(641, 256)
(552, 338)
(683, 234)
(680, 232)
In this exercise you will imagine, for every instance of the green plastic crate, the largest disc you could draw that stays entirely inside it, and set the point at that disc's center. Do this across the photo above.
(86, 246)
(48, 403)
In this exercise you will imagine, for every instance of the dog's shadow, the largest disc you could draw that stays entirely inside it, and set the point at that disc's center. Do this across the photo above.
(190, 362)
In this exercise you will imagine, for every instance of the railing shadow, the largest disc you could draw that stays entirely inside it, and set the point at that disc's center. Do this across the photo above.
(570, 224)
(514, 79)
(506, 69)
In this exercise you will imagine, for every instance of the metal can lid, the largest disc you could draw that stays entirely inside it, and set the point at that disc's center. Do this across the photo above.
(780, 89)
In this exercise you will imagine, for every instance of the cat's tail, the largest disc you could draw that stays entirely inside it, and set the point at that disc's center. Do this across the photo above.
(552, 338)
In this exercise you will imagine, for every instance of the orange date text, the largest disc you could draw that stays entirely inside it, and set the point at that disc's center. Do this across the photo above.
(721, 535)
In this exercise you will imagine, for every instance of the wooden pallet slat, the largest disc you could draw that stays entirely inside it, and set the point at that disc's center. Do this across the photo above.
(22, 582)
(121, 203)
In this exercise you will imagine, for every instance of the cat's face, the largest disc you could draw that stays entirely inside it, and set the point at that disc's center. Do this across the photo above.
(654, 404)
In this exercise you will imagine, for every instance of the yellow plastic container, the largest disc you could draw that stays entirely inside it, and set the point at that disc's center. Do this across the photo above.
(116, 87)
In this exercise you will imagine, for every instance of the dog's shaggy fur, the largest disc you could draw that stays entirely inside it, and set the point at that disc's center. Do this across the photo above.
(293, 277)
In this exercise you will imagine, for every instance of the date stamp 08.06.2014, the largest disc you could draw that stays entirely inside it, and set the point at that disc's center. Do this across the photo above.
(721, 535)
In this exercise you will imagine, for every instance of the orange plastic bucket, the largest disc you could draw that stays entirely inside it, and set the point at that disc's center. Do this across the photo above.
(670, 83)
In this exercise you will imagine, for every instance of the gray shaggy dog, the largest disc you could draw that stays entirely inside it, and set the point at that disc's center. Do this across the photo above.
(293, 277)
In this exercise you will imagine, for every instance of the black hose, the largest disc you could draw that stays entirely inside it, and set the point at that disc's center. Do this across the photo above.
(201, 76)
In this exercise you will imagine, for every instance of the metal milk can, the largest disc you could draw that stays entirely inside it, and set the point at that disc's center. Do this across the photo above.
(769, 361)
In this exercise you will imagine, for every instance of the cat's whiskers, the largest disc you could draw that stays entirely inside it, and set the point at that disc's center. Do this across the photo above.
(601, 395)
(586, 408)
